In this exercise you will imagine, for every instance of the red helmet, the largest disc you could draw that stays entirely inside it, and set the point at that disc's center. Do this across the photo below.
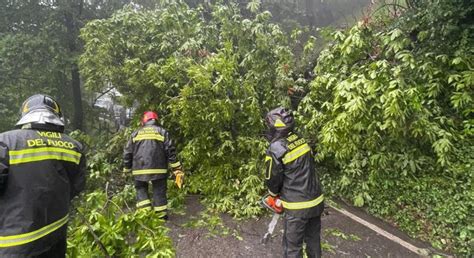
(149, 115)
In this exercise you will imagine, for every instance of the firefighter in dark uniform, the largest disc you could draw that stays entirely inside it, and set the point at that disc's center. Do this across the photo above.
(41, 170)
(291, 176)
(147, 155)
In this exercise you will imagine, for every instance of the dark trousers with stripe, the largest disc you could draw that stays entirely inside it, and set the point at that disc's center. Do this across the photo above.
(159, 195)
(299, 230)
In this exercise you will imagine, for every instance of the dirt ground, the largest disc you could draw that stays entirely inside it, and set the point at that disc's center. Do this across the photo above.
(198, 235)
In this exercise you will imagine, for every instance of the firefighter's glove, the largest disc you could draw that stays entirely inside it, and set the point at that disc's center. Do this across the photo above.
(273, 203)
(179, 178)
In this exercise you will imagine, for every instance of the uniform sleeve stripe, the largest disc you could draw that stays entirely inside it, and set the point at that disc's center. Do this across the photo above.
(302, 205)
(15, 240)
(149, 171)
(269, 165)
(296, 153)
(43, 149)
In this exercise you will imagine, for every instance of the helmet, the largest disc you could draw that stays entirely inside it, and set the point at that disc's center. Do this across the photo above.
(149, 115)
(41, 109)
(280, 122)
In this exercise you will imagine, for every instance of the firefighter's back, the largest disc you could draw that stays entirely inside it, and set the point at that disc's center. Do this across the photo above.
(150, 159)
(301, 192)
(34, 206)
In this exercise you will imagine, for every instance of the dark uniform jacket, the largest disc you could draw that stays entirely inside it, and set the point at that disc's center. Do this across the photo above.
(291, 173)
(45, 171)
(148, 153)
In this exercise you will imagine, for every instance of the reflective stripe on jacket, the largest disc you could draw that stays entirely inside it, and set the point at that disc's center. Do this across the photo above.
(291, 173)
(148, 153)
(45, 171)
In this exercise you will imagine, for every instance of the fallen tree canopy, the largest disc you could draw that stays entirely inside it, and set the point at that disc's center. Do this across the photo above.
(392, 109)
(211, 76)
(389, 111)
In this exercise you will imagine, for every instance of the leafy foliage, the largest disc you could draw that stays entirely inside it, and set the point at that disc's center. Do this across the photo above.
(391, 108)
(210, 73)
(213, 223)
(24, 60)
(338, 233)
(106, 214)
(39, 46)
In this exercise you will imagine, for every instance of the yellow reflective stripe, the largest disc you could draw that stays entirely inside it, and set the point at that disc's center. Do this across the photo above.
(143, 203)
(44, 153)
(15, 240)
(127, 170)
(302, 205)
(269, 167)
(43, 149)
(175, 165)
(44, 157)
(296, 153)
(160, 208)
(149, 171)
(157, 137)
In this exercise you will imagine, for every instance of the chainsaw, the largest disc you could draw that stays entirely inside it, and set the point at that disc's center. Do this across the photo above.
(273, 204)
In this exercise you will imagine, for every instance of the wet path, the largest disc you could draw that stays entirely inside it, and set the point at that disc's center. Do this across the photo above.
(200, 234)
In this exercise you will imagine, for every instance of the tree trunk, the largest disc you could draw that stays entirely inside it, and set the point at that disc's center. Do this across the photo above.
(72, 34)
(310, 12)
(77, 98)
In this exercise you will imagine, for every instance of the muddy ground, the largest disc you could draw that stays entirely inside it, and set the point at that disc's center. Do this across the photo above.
(198, 233)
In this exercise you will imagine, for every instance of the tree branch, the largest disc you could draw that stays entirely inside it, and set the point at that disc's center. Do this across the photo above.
(102, 94)
(96, 238)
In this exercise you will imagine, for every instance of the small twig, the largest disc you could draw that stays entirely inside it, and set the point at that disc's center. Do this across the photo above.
(141, 224)
(96, 238)
(106, 196)
(128, 207)
(147, 228)
(120, 209)
(107, 190)
(102, 94)
(388, 5)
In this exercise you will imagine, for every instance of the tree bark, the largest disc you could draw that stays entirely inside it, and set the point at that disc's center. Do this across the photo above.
(72, 34)
(77, 98)
(310, 12)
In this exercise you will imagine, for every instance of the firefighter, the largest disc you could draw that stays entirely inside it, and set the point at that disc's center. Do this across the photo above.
(41, 170)
(291, 176)
(147, 155)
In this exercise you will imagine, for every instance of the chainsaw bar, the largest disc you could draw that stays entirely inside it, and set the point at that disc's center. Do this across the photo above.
(271, 228)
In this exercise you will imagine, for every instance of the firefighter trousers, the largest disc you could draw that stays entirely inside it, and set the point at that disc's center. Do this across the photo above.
(299, 230)
(159, 202)
(58, 250)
